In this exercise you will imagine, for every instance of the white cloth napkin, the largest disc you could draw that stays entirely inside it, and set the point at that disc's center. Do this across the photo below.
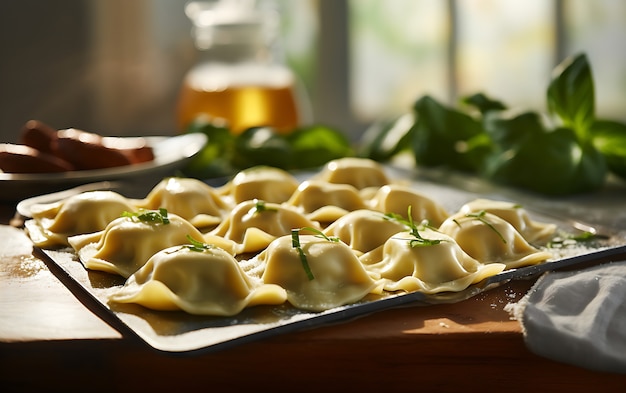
(578, 317)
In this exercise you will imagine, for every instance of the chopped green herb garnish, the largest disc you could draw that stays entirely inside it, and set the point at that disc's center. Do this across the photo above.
(420, 241)
(295, 243)
(414, 229)
(480, 216)
(588, 236)
(152, 216)
(260, 207)
(321, 234)
(194, 245)
(572, 239)
(198, 246)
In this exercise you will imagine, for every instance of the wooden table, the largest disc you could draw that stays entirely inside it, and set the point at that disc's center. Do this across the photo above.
(49, 341)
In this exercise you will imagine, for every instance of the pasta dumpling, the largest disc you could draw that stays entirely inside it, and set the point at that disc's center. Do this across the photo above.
(127, 243)
(191, 199)
(398, 199)
(361, 173)
(516, 215)
(364, 230)
(490, 239)
(254, 224)
(83, 213)
(326, 202)
(200, 281)
(433, 264)
(337, 277)
(269, 184)
(346, 234)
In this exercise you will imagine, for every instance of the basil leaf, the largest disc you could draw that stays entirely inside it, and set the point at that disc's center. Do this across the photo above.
(591, 171)
(551, 162)
(571, 95)
(316, 145)
(440, 135)
(510, 128)
(609, 137)
(386, 138)
(261, 146)
(483, 103)
(476, 151)
(214, 158)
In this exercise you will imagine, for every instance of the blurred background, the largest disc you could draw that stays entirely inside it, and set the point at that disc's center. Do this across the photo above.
(115, 67)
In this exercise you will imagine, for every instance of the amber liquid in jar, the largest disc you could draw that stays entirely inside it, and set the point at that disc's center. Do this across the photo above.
(245, 95)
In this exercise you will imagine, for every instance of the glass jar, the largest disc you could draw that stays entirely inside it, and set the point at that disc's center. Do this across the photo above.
(237, 77)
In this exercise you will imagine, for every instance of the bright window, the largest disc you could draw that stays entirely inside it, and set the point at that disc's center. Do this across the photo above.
(400, 50)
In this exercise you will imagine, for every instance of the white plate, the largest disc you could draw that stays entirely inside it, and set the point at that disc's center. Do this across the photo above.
(170, 153)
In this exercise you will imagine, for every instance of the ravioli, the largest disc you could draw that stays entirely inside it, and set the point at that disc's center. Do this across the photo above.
(364, 230)
(127, 243)
(86, 212)
(438, 265)
(204, 281)
(490, 239)
(355, 238)
(338, 278)
(398, 199)
(269, 184)
(191, 199)
(516, 215)
(326, 202)
(361, 173)
(254, 224)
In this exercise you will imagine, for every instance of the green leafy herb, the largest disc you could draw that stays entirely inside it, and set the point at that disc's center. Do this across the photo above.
(261, 146)
(609, 137)
(386, 138)
(226, 153)
(571, 95)
(316, 145)
(414, 230)
(480, 216)
(551, 162)
(295, 243)
(483, 103)
(565, 151)
(150, 216)
(441, 134)
(216, 157)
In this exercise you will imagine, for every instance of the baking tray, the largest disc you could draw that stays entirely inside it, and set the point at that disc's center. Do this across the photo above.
(176, 332)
